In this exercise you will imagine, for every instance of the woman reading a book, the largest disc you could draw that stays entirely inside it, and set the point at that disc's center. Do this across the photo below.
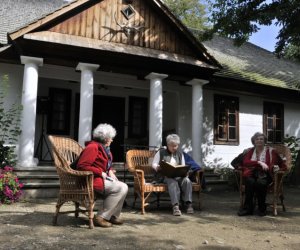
(172, 155)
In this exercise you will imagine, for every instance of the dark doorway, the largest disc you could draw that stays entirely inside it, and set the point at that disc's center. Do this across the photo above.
(107, 109)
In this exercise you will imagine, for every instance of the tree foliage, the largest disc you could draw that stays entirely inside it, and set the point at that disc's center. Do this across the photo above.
(192, 13)
(239, 19)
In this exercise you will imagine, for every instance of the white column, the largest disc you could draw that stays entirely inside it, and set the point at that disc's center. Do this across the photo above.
(28, 116)
(86, 101)
(197, 118)
(156, 109)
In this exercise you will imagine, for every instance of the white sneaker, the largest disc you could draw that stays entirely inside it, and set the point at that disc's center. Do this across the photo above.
(176, 210)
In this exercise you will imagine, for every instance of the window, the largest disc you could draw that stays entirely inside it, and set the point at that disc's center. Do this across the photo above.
(128, 11)
(138, 114)
(273, 122)
(59, 111)
(226, 128)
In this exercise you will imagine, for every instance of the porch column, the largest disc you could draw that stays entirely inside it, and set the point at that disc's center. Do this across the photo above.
(156, 109)
(86, 101)
(197, 118)
(28, 115)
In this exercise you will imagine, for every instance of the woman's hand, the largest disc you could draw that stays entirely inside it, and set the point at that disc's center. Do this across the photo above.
(264, 166)
(112, 175)
(104, 175)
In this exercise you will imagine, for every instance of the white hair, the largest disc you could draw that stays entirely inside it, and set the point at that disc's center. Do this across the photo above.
(173, 138)
(103, 132)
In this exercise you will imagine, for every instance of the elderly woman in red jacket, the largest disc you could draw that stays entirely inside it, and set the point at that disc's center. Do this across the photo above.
(96, 157)
(257, 165)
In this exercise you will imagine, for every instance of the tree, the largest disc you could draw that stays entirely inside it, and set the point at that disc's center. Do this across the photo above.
(239, 19)
(191, 12)
(292, 52)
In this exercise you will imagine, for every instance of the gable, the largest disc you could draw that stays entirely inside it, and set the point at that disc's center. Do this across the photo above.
(101, 20)
(151, 27)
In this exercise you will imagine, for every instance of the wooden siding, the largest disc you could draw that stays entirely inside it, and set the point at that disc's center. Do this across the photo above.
(98, 22)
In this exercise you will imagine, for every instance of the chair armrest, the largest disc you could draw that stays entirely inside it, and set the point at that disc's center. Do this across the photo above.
(140, 177)
(199, 175)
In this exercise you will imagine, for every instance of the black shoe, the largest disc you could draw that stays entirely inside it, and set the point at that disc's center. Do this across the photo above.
(244, 212)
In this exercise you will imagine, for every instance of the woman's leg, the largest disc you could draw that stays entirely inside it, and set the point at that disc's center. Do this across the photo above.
(261, 193)
(249, 193)
(187, 189)
(115, 194)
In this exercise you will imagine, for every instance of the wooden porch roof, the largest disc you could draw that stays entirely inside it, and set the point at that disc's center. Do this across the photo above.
(92, 31)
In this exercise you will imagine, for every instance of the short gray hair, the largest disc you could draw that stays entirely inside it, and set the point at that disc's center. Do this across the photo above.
(258, 134)
(103, 132)
(173, 138)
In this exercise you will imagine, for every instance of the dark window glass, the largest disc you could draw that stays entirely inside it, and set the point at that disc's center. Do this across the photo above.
(59, 111)
(138, 115)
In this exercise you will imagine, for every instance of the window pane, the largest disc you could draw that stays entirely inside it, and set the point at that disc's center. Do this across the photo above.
(232, 120)
(278, 136)
(232, 133)
(270, 136)
(222, 132)
(270, 123)
(278, 124)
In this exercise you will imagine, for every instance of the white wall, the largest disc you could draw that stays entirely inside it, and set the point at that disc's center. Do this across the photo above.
(250, 121)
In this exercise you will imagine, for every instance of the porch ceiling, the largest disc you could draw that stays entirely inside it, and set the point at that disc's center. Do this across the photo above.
(64, 50)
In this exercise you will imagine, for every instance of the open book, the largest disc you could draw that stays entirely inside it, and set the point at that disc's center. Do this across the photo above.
(172, 171)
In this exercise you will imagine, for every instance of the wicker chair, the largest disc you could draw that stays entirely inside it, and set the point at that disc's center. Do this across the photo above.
(139, 164)
(275, 189)
(76, 186)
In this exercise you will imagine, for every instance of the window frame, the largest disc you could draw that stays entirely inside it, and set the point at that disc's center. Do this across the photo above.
(217, 108)
(274, 107)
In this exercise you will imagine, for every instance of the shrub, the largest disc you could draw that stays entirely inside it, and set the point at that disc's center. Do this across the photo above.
(10, 186)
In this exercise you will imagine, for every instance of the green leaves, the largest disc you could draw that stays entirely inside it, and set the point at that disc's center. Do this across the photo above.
(191, 12)
(9, 125)
(238, 19)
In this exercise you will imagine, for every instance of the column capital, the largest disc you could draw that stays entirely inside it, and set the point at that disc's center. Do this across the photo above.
(153, 75)
(196, 81)
(87, 66)
(35, 60)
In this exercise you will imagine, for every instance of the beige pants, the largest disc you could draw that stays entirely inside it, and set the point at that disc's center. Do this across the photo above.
(114, 196)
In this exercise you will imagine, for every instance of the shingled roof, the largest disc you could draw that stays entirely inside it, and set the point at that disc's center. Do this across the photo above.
(252, 63)
(15, 14)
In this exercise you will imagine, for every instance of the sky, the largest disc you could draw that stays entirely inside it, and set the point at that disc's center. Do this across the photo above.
(265, 37)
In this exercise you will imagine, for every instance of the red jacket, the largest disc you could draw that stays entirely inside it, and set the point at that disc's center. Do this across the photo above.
(94, 158)
(272, 158)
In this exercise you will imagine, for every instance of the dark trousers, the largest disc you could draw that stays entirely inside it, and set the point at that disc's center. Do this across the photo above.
(257, 187)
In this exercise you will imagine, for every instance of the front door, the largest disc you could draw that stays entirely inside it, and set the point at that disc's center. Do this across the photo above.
(108, 109)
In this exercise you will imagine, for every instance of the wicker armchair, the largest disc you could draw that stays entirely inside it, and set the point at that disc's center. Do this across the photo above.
(76, 186)
(275, 189)
(139, 164)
